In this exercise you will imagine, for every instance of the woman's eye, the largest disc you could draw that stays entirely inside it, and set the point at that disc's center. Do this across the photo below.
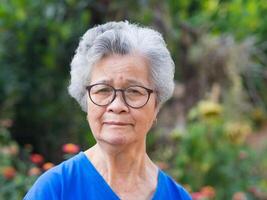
(134, 91)
(104, 90)
(101, 90)
(130, 90)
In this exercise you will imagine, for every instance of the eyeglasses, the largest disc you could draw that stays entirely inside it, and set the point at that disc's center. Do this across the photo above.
(103, 94)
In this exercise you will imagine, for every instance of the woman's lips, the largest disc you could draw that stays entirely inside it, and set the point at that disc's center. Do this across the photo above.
(117, 123)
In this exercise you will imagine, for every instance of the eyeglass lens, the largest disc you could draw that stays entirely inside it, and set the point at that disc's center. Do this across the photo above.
(134, 96)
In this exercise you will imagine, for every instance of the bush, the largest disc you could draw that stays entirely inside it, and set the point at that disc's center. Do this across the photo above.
(212, 157)
(15, 178)
(20, 167)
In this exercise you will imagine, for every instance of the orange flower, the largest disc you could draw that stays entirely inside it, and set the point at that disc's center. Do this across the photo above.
(7, 123)
(47, 166)
(70, 148)
(162, 165)
(187, 187)
(37, 158)
(197, 196)
(28, 147)
(34, 171)
(239, 196)
(208, 191)
(13, 149)
(9, 172)
(242, 155)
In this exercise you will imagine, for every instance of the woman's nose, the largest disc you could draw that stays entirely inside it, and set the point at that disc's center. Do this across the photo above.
(118, 105)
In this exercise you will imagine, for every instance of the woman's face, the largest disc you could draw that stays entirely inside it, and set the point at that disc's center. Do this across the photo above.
(117, 123)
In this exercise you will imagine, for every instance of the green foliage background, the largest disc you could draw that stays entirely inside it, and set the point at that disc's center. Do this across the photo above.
(38, 39)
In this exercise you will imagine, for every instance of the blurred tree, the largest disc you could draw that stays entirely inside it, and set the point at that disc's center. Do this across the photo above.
(38, 40)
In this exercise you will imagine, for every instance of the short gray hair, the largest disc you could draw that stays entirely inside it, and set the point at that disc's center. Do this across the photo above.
(121, 38)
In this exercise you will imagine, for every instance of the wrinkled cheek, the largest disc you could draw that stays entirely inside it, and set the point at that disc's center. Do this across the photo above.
(149, 125)
(95, 129)
(144, 128)
(92, 122)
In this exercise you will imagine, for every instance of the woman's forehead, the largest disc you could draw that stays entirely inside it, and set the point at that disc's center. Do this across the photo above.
(127, 60)
(129, 69)
(126, 81)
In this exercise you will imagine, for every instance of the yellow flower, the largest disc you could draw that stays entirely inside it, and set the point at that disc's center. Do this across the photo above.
(209, 109)
(237, 131)
(258, 115)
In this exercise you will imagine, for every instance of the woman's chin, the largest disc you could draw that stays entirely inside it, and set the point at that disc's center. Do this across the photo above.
(115, 139)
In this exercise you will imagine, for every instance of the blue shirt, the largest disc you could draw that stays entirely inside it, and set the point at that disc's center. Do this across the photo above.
(78, 179)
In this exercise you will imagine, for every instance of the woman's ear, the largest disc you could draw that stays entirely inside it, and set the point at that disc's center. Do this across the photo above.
(157, 108)
(155, 122)
(155, 115)
(87, 103)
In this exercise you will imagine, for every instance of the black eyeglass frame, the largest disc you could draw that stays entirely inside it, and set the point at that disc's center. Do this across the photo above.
(149, 91)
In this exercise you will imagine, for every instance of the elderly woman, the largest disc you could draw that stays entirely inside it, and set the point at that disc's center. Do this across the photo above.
(121, 75)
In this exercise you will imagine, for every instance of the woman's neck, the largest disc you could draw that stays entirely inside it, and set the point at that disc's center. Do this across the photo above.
(123, 169)
(120, 162)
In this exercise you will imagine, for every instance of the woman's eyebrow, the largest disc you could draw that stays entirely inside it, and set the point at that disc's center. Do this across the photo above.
(134, 82)
(128, 81)
(106, 81)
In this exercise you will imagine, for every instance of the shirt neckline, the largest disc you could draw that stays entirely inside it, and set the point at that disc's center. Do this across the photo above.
(95, 171)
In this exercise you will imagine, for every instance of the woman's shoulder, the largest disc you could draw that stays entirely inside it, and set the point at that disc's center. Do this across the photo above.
(50, 183)
(167, 186)
(64, 168)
